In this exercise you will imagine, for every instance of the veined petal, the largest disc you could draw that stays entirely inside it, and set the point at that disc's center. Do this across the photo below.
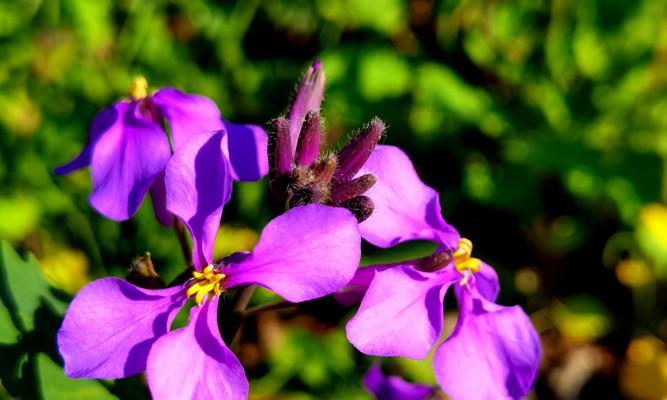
(401, 314)
(198, 187)
(405, 208)
(494, 352)
(125, 161)
(104, 121)
(308, 252)
(393, 387)
(355, 290)
(187, 114)
(194, 363)
(246, 150)
(111, 325)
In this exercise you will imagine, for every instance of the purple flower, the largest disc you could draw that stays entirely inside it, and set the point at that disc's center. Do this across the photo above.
(128, 149)
(298, 175)
(494, 351)
(393, 387)
(114, 329)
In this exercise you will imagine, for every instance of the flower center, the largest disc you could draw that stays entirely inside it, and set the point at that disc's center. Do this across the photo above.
(463, 262)
(209, 280)
(138, 88)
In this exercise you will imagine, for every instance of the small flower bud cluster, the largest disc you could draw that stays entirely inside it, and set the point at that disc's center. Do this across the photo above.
(299, 176)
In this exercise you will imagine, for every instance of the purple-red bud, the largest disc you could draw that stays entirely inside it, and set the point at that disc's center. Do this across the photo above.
(358, 186)
(309, 140)
(356, 153)
(308, 97)
(360, 206)
(280, 155)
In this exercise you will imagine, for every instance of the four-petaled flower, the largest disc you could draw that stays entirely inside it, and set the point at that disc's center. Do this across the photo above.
(128, 148)
(114, 329)
(494, 351)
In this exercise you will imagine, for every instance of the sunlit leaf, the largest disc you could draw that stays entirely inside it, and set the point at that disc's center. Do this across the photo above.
(56, 386)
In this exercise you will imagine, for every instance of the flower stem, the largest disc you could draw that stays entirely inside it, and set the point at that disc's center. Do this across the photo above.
(234, 318)
(278, 305)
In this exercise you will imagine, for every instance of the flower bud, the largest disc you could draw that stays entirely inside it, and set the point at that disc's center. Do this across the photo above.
(309, 140)
(345, 191)
(360, 206)
(354, 155)
(280, 155)
(308, 97)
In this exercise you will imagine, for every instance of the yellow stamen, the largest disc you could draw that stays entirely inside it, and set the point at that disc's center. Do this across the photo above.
(204, 282)
(463, 262)
(138, 88)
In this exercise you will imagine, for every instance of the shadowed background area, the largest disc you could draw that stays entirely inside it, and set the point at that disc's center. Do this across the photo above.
(542, 124)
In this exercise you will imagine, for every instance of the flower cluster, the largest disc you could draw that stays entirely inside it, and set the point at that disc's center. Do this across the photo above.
(115, 329)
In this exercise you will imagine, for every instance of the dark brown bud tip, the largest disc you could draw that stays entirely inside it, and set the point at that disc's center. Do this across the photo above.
(142, 273)
(325, 169)
(360, 206)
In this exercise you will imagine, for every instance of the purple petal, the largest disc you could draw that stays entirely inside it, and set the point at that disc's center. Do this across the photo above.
(486, 281)
(494, 352)
(159, 196)
(104, 121)
(355, 290)
(401, 314)
(308, 252)
(111, 325)
(393, 387)
(194, 363)
(198, 187)
(126, 159)
(308, 97)
(187, 114)
(246, 151)
(405, 208)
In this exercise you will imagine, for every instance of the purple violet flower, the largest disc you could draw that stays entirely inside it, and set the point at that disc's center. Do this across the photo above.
(114, 329)
(394, 387)
(298, 175)
(128, 148)
(494, 351)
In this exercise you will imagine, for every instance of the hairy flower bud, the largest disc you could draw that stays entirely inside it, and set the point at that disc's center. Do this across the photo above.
(308, 97)
(355, 187)
(280, 156)
(360, 206)
(309, 140)
(354, 155)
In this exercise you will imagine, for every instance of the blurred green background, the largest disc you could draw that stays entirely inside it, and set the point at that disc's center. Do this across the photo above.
(543, 125)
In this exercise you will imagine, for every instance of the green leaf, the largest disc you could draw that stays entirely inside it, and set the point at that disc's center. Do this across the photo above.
(56, 386)
(8, 332)
(25, 287)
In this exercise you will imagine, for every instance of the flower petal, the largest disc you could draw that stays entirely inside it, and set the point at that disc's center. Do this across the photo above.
(494, 352)
(355, 290)
(405, 208)
(393, 387)
(111, 325)
(126, 159)
(401, 314)
(187, 114)
(486, 281)
(104, 121)
(246, 151)
(198, 187)
(308, 252)
(158, 192)
(194, 363)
